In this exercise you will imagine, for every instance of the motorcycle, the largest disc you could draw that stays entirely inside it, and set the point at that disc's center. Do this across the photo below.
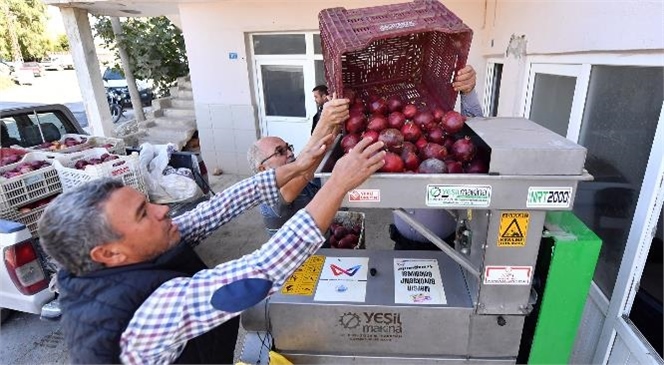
(116, 104)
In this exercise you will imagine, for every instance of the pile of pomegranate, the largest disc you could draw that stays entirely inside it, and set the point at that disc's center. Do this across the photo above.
(24, 168)
(344, 237)
(81, 164)
(417, 139)
(9, 156)
(57, 145)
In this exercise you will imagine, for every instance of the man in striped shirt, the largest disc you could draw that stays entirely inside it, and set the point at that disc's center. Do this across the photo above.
(133, 290)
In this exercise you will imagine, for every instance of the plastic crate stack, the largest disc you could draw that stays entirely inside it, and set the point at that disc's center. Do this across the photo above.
(26, 188)
(125, 168)
(410, 50)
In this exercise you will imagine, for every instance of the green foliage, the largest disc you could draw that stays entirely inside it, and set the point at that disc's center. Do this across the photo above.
(61, 43)
(155, 47)
(28, 22)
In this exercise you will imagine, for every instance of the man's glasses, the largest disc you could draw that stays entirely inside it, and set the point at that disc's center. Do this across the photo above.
(280, 150)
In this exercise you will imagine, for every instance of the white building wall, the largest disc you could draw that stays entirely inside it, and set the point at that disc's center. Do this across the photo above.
(226, 109)
(565, 27)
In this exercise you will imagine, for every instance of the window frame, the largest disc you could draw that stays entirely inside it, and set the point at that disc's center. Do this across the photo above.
(649, 203)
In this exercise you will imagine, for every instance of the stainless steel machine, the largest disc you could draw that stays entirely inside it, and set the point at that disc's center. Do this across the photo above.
(463, 304)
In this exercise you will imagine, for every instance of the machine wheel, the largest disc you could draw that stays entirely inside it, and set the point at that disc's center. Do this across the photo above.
(5, 314)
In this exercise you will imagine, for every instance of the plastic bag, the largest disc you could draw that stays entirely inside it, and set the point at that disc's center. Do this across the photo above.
(165, 188)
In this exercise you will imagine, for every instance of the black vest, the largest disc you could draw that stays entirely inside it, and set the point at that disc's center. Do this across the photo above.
(97, 307)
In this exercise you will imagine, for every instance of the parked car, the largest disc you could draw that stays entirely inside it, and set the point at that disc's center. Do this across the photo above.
(36, 68)
(115, 80)
(58, 63)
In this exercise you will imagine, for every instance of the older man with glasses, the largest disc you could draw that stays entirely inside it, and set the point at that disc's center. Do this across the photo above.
(272, 152)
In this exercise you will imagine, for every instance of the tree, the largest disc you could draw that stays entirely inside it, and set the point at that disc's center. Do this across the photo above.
(61, 43)
(155, 47)
(25, 20)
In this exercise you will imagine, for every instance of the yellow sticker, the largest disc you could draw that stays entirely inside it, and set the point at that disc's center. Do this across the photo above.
(513, 229)
(304, 279)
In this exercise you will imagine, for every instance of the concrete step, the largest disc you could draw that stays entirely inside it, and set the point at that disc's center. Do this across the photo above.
(184, 94)
(174, 123)
(185, 85)
(179, 113)
(182, 103)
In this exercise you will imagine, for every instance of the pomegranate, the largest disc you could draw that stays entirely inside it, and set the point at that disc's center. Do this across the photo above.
(420, 143)
(393, 163)
(394, 104)
(349, 141)
(334, 242)
(453, 122)
(350, 241)
(408, 146)
(411, 132)
(432, 166)
(396, 120)
(433, 150)
(410, 160)
(454, 167)
(477, 166)
(393, 140)
(425, 120)
(438, 114)
(355, 124)
(359, 106)
(370, 134)
(463, 149)
(409, 111)
(377, 123)
(340, 232)
(436, 135)
(378, 106)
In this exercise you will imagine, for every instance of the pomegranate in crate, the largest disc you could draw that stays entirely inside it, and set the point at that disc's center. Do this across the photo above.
(397, 62)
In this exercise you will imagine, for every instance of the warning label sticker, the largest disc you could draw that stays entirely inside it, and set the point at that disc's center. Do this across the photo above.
(304, 279)
(513, 229)
(507, 275)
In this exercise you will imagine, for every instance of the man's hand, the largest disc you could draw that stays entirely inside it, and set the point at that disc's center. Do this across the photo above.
(349, 172)
(312, 153)
(355, 167)
(465, 80)
(335, 112)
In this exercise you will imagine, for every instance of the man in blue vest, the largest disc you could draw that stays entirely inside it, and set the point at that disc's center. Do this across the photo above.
(133, 290)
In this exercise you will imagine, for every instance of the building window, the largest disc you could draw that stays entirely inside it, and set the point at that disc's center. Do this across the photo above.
(492, 94)
(552, 101)
(622, 109)
(279, 44)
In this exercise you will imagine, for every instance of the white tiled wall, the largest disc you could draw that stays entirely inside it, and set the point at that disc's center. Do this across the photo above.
(226, 132)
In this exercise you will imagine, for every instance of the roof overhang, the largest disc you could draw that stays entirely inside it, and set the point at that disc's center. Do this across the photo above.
(123, 8)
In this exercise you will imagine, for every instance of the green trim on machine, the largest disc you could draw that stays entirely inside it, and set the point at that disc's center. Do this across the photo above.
(573, 258)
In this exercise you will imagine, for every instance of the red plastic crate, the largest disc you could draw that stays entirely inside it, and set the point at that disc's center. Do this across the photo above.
(409, 50)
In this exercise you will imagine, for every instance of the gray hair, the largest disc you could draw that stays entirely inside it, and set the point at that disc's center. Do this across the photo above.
(254, 156)
(75, 223)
